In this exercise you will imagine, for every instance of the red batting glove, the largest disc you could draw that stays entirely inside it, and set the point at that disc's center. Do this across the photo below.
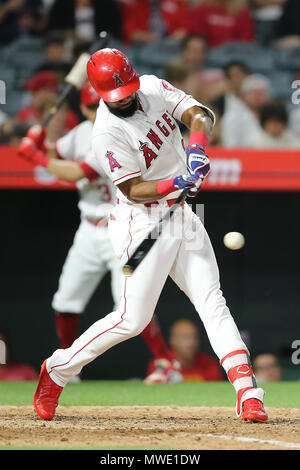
(37, 134)
(28, 151)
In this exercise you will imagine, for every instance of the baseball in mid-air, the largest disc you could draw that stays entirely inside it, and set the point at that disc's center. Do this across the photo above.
(234, 240)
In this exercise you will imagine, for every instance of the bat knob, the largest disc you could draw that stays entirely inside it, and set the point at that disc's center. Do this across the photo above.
(127, 270)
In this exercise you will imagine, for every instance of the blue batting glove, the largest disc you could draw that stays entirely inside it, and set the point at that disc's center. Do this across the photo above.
(197, 161)
(184, 181)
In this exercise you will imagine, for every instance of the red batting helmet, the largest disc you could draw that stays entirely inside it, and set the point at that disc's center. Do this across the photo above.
(89, 95)
(112, 75)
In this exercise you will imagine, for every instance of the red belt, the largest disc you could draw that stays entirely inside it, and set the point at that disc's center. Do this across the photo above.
(170, 202)
(102, 222)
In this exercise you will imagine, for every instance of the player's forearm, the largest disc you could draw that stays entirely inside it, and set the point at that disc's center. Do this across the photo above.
(198, 120)
(148, 191)
(65, 170)
(143, 192)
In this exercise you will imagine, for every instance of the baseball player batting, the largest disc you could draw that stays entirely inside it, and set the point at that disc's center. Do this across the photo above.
(91, 255)
(137, 142)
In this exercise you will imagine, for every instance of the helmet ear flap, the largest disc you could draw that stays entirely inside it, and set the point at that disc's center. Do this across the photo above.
(112, 75)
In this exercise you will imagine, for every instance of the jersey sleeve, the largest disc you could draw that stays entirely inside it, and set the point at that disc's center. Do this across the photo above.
(177, 101)
(115, 157)
(65, 146)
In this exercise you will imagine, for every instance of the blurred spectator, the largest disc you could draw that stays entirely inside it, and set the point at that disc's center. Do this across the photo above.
(85, 19)
(12, 131)
(267, 9)
(194, 365)
(267, 14)
(43, 88)
(289, 25)
(57, 55)
(177, 73)
(222, 21)
(148, 21)
(202, 83)
(11, 371)
(266, 368)
(235, 73)
(241, 115)
(18, 17)
(274, 132)
(256, 91)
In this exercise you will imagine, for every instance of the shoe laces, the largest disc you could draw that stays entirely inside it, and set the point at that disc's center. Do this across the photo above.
(51, 391)
(254, 403)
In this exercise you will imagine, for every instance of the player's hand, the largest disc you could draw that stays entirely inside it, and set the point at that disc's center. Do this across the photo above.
(197, 161)
(27, 149)
(184, 181)
(37, 134)
(195, 190)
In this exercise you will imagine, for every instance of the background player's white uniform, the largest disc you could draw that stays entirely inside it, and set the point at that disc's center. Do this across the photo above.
(91, 254)
(148, 144)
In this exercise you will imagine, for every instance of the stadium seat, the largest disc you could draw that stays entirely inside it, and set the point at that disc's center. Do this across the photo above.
(27, 44)
(8, 76)
(281, 81)
(14, 101)
(288, 59)
(4, 55)
(157, 55)
(257, 58)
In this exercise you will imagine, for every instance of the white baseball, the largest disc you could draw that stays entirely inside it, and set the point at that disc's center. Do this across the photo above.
(234, 240)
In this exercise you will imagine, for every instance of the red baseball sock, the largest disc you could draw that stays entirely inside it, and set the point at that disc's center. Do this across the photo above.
(66, 328)
(239, 371)
(153, 337)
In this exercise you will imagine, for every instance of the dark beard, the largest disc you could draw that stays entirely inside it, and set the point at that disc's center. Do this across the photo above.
(127, 112)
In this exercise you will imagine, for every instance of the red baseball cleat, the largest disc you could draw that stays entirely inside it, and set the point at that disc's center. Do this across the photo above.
(165, 372)
(45, 399)
(253, 410)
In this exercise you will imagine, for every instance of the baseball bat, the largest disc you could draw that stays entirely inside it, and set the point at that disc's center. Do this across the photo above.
(77, 76)
(145, 246)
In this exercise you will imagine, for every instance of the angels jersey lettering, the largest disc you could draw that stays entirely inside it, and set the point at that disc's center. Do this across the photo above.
(147, 144)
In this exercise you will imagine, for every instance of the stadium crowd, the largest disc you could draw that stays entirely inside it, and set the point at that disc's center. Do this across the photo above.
(240, 57)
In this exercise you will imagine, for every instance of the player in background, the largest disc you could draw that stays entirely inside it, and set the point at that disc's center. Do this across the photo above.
(91, 255)
(137, 141)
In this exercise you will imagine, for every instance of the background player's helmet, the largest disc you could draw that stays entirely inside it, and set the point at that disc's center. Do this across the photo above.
(112, 75)
(89, 95)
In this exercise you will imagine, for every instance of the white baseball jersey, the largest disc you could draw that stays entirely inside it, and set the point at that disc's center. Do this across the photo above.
(97, 198)
(149, 143)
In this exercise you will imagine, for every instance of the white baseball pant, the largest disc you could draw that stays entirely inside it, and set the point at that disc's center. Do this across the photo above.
(89, 259)
(184, 252)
